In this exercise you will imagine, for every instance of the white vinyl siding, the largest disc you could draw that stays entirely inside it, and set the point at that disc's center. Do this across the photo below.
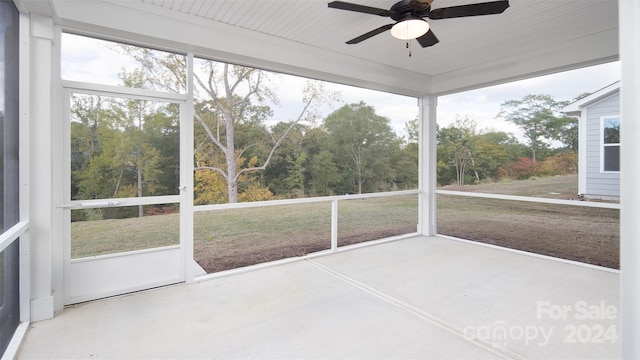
(599, 182)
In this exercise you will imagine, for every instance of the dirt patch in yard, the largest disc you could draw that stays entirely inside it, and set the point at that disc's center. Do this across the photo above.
(584, 234)
(588, 235)
(214, 257)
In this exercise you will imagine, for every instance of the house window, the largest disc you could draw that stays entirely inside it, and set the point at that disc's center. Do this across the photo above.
(611, 144)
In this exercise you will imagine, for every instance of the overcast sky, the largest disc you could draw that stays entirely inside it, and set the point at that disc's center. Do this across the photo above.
(482, 105)
(90, 60)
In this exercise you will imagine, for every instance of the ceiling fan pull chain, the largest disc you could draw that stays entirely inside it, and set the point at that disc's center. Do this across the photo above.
(409, 47)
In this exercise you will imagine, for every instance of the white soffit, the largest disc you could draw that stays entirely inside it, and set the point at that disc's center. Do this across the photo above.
(307, 38)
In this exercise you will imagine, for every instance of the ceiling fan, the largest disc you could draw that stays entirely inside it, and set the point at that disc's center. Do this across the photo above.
(409, 16)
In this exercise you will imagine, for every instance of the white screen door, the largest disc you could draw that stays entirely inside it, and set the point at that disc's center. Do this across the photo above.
(123, 193)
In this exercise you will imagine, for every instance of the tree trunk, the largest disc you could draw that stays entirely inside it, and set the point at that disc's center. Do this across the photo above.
(232, 182)
(232, 189)
(115, 192)
(140, 207)
(232, 162)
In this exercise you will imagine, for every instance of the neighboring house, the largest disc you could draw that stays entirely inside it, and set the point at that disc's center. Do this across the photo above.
(599, 142)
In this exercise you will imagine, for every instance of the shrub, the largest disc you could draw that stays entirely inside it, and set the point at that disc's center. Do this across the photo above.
(256, 192)
(522, 169)
(563, 164)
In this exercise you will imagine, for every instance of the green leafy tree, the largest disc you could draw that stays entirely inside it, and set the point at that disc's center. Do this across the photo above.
(134, 150)
(513, 148)
(412, 127)
(406, 161)
(362, 141)
(456, 146)
(87, 126)
(123, 147)
(487, 159)
(162, 132)
(540, 119)
(492, 150)
(325, 175)
(287, 174)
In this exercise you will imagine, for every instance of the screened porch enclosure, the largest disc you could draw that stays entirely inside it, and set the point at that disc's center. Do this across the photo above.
(368, 275)
(150, 183)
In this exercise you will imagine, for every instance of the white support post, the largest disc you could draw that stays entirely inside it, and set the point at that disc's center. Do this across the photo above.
(428, 166)
(186, 176)
(41, 170)
(629, 27)
(334, 225)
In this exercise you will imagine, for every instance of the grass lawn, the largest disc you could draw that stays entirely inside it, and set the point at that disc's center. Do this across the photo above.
(100, 237)
(585, 234)
(225, 239)
(553, 187)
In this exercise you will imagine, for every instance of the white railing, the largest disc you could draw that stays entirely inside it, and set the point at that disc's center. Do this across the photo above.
(198, 208)
(12, 234)
(531, 199)
(333, 199)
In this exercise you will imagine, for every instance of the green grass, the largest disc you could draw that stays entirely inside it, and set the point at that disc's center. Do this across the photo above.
(238, 224)
(376, 218)
(100, 237)
(225, 239)
(237, 237)
(553, 187)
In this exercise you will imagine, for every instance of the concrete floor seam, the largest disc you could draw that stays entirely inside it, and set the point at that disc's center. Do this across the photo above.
(424, 315)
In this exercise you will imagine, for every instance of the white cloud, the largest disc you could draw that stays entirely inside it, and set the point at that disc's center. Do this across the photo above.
(482, 105)
(91, 60)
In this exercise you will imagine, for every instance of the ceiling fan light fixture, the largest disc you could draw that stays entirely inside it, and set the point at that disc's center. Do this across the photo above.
(409, 29)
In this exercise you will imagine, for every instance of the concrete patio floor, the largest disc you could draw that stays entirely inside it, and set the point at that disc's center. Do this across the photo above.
(418, 298)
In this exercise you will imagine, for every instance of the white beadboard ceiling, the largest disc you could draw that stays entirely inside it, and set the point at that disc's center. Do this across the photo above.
(305, 37)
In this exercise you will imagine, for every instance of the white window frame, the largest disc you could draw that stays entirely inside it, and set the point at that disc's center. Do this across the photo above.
(603, 145)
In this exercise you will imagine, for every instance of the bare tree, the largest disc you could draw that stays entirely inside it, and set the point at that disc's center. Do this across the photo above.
(228, 89)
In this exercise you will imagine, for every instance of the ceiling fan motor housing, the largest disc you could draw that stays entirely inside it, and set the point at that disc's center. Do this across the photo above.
(413, 10)
(409, 9)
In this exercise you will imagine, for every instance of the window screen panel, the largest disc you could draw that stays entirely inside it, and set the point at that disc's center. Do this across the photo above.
(612, 158)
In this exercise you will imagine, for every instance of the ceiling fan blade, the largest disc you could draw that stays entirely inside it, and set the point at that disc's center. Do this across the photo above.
(488, 8)
(370, 34)
(428, 39)
(360, 8)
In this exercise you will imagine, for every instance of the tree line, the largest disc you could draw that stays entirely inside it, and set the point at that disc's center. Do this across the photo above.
(130, 148)
(550, 146)
(123, 147)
